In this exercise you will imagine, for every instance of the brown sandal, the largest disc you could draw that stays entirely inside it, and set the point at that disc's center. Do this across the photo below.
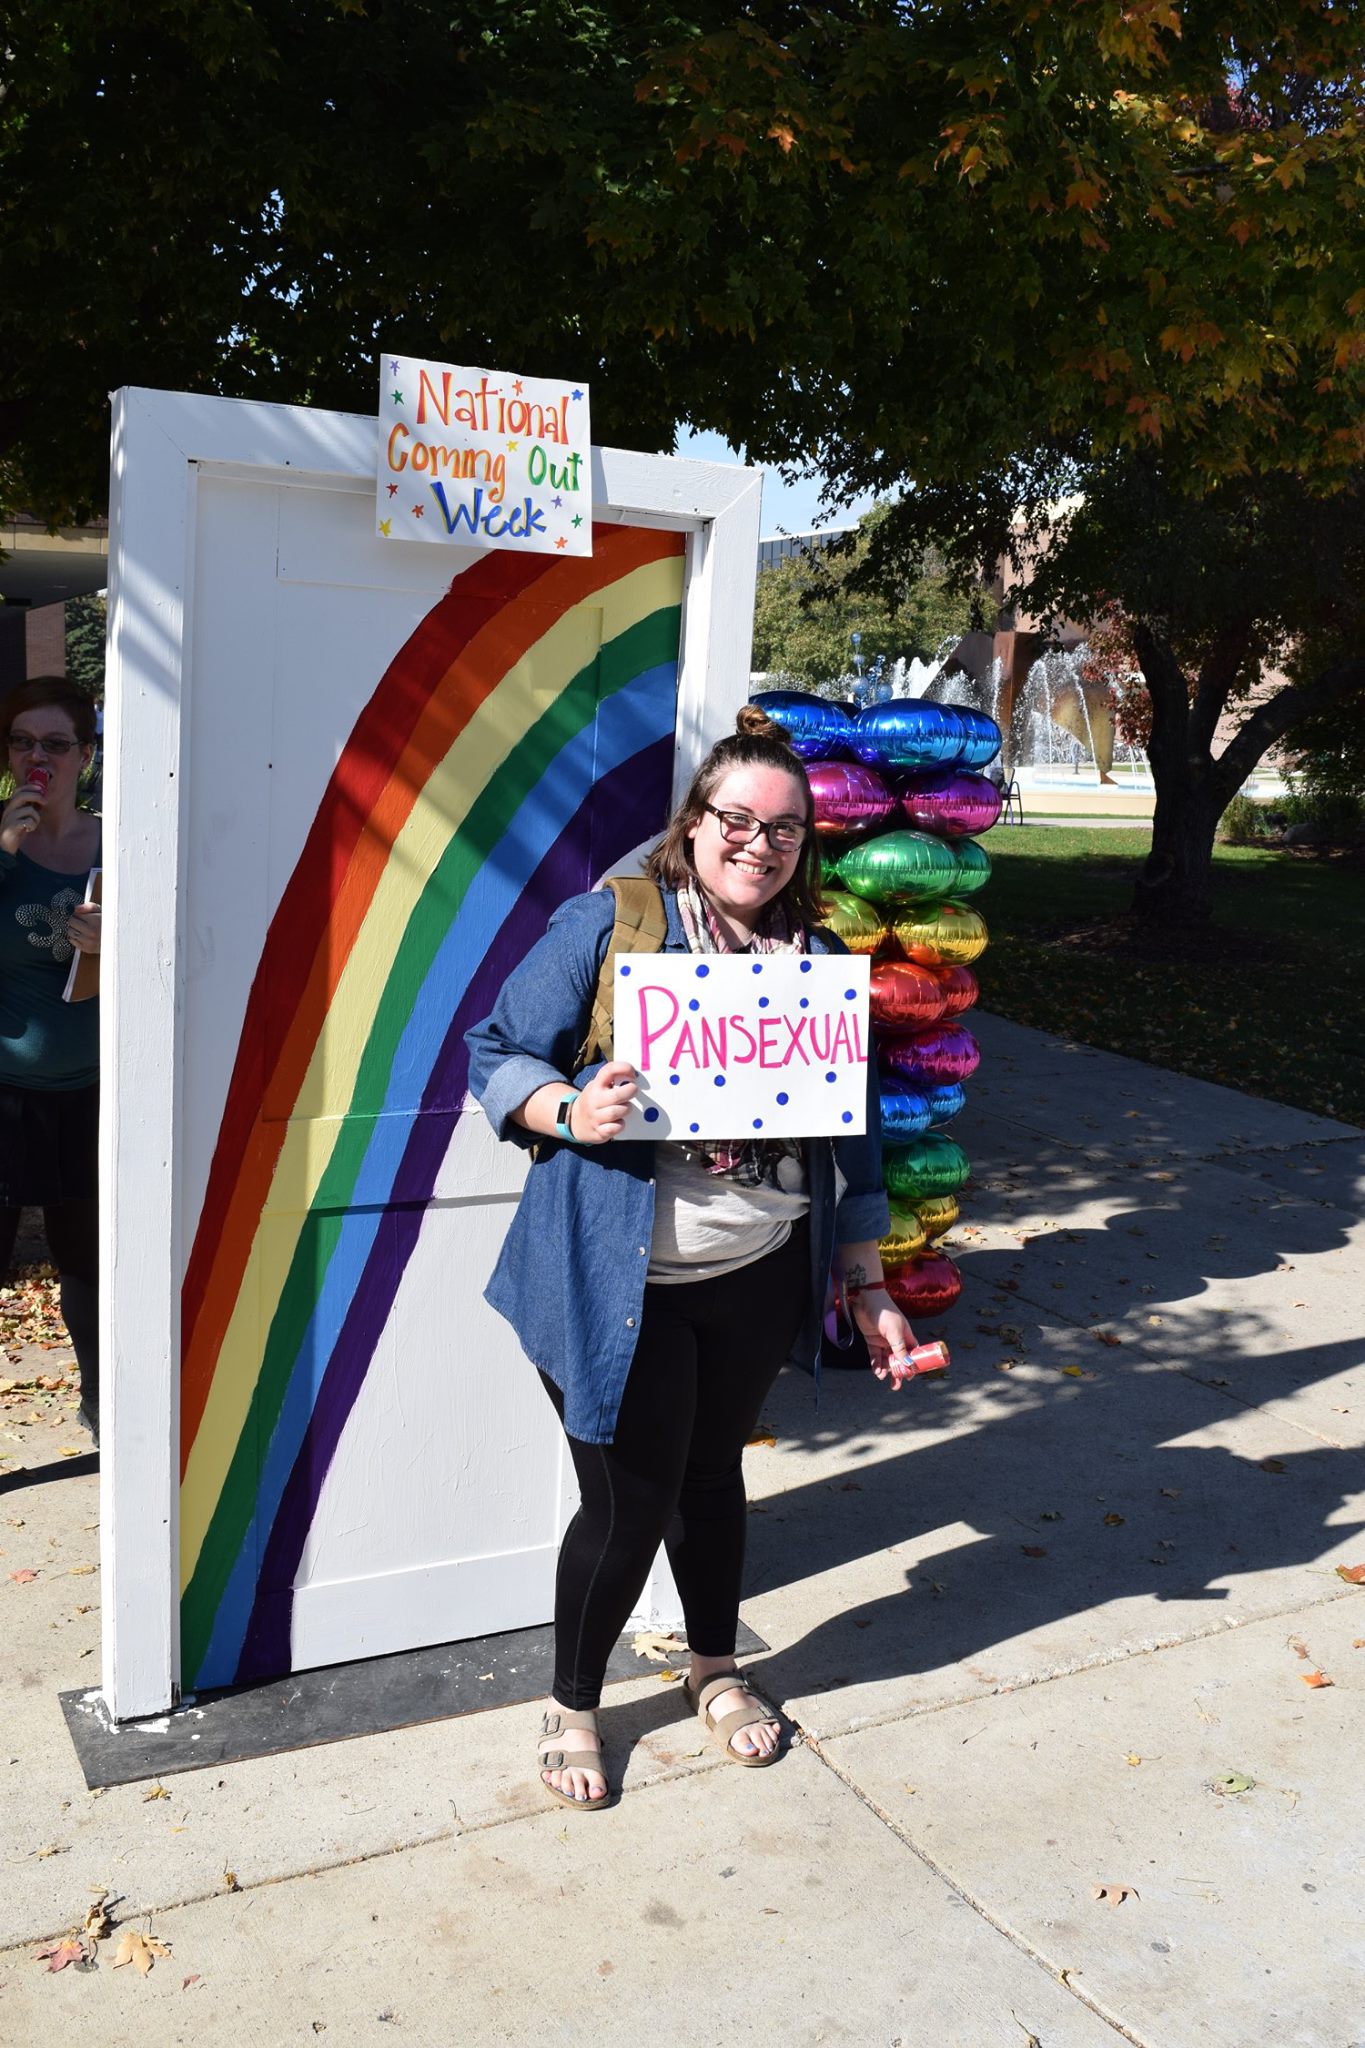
(589, 1758)
(729, 1725)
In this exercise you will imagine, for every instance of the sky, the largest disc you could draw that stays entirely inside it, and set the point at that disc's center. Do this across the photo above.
(787, 507)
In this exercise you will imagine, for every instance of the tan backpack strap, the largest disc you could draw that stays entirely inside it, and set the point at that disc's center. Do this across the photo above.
(640, 926)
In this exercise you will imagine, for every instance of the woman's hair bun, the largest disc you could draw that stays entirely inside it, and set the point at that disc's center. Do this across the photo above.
(753, 723)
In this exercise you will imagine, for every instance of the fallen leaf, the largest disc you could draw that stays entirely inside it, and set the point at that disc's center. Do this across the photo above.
(1114, 1894)
(1050, 1515)
(186, 1982)
(229, 1881)
(155, 1792)
(96, 1923)
(69, 1451)
(1113, 1521)
(1033, 1550)
(1315, 1678)
(1107, 1337)
(1358, 1643)
(1005, 1364)
(1354, 1574)
(657, 1648)
(1133, 1759)
(141, 1950)
(1297, 1645)
(79, 1571)
(23, 1578)
(1073, 1372)
(1009, 1333)
(1273, 1465)
(762, 1443)
(51, 1849)
(1230, 1783)
(669, 1677)
(58, 1954)
(1170, 1493)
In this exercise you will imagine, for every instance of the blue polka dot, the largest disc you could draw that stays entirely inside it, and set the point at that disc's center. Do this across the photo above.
(625, 971)
(848, 1116)
(720, 1080)
(784, 1098)
(850, 995)
(758, 967)
(831, 1077)
(651, 1116)
(693, 1004)
(694, 1127)
(703, 972)
(805, 966)
(805, 1002)
(758, 1123)
(673, 1080)
(763, 1002)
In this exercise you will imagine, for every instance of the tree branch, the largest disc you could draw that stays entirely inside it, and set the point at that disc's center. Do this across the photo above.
(1216, 679)
(1271, 720)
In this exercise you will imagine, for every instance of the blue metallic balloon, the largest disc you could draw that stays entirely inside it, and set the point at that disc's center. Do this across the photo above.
(973, 867)
(945, 1102)
(908, 733)
(816, 727)
(981, 737)
(905, 1112)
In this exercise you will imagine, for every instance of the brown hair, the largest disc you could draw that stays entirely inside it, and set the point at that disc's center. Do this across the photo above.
(757, 742)
(58, 691)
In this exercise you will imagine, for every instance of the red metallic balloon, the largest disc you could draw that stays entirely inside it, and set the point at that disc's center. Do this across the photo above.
(905, 996)
(945, 1052)
(850, 798)
(960, 989)
(951, 802)
(927, 1286)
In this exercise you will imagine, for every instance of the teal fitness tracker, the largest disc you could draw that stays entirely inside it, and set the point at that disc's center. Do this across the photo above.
(566, 1103)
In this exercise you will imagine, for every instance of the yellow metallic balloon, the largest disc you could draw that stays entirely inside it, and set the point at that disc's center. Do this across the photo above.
(852, 918)
(937, 1213)
(906, 1237)
(951, 934)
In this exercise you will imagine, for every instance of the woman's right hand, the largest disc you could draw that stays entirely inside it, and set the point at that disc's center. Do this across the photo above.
(20, 816)
(603, 1104)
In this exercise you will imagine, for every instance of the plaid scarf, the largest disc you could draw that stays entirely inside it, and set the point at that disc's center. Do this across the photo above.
(747, 1161)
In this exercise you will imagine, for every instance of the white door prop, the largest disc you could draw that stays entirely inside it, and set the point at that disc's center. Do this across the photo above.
(732, 1046)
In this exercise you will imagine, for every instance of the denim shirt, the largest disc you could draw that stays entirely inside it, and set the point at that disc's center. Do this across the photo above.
(570, 1278)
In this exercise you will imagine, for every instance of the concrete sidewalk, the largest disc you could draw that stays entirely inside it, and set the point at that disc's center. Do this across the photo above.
(1042, 1629)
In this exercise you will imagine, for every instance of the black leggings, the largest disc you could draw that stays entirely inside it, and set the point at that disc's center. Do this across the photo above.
(706, 1356)
(72, 1230)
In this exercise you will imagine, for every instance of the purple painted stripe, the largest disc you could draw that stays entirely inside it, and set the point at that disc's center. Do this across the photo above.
(631, 800)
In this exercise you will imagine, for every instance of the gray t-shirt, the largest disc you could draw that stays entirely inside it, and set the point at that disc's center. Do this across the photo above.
(705, 1223)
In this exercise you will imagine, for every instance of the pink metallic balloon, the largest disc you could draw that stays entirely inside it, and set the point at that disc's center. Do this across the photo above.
(951, 802)
(960, 988)
(853, 919)
(945, 1052)
(850, 798)
(926, 1286)
(905, 995)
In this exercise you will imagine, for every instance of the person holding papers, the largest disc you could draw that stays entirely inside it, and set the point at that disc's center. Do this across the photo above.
(49, 1046)
(659, 1288)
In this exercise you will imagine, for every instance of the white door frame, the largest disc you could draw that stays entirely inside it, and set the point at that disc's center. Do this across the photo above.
(163, 443)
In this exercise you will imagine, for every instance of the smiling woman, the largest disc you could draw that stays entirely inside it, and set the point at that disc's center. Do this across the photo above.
(659, 1287)
(49, 1048)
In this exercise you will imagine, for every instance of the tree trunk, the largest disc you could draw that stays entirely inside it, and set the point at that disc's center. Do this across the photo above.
(1176, 882)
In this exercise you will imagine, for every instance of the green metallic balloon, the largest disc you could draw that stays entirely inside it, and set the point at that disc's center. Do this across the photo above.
(906, 1237)
(927, 1166)
(942, 934)
(900, 868)
(853, 919)
(973, 868)
(938, 1213)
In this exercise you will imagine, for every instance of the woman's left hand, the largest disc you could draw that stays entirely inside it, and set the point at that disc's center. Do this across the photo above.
(83, 930)
(889, 1337)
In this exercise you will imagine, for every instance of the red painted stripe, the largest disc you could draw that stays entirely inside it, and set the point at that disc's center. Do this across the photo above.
(426, 698)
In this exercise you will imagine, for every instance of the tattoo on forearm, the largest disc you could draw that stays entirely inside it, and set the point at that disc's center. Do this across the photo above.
(855, 1276)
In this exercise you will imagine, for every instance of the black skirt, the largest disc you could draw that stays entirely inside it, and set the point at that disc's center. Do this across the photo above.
(49, 1146)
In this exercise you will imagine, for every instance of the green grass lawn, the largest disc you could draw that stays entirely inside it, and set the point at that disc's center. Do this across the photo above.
(1284, 1022)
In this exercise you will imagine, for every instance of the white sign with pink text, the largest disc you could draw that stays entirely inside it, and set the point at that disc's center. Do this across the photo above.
(735, 1045)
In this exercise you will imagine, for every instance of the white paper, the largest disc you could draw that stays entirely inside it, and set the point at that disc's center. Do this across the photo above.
(738, 1046)
(76, 958)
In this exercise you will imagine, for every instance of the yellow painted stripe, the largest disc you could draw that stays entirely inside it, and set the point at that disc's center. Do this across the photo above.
(498, 727)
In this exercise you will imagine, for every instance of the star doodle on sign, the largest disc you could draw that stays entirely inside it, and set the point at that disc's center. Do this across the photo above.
(516, 386)
(418, 510)
(557, 502)
(393, 490)
(397, 397)
(575, 394)
(386, 528)
(511, 444)
(393, 366)
(561, 542)
(578, 519)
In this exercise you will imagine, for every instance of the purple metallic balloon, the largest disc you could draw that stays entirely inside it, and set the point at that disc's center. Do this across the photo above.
(929, 1059)
(814, 725)
(850, 798)
(951, 802)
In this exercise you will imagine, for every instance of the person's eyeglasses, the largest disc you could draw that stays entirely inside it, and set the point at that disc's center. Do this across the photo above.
(741, 828)
(56, 745)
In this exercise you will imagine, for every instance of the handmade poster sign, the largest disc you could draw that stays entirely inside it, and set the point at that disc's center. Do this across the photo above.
(731, 1046)
(482, 458)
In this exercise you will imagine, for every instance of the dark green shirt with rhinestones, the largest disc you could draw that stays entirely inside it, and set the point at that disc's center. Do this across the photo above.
(44, 1042)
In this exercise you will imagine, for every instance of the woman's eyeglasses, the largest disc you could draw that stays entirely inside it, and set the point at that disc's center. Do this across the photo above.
(741, 828)
(56, 744)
